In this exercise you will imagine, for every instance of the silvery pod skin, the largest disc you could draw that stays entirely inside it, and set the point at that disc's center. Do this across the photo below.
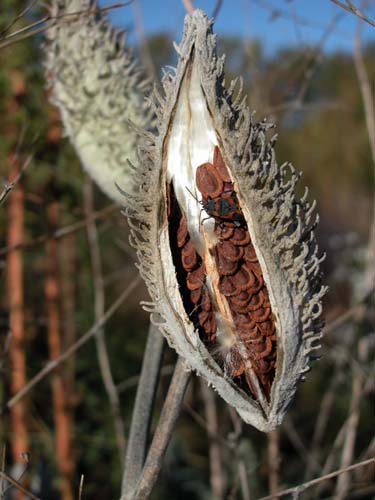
(100, 91)
(226, 249)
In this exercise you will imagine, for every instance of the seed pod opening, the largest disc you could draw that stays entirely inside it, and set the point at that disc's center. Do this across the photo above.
(226, 249)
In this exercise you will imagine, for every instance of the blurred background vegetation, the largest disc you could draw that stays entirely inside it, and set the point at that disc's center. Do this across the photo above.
(315, 99)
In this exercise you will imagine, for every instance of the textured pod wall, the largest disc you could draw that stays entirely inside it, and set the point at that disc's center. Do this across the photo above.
(100, 91)
(226, 248)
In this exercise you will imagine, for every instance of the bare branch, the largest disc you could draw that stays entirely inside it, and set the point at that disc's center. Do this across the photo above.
(214, 450)
(164, 430)
(18, 17)
(99, 306)
(350, 7)
(18, 486)
(217, 8)
(188, 4)
(321, 423)
(10, 185)
(133, 381)
(145, 49)
(202, 423)
(80, 490)
(63, 231)
(343, 482)
(142, 412)
(52, 365)
(49, 21)
(273, 460)
(369, 109)
(303, 487)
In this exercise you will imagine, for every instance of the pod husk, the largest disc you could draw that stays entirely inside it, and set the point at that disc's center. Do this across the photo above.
(100, 90)
(281, 228)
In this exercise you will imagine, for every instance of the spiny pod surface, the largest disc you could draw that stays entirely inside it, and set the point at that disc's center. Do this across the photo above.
(227, 250)
(100, 90)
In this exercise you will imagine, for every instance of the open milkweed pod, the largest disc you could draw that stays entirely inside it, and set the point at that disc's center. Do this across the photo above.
(99, 88)
(227, 251)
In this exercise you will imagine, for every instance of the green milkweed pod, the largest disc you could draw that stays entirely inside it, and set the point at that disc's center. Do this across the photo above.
(226, 249)
(100, 90)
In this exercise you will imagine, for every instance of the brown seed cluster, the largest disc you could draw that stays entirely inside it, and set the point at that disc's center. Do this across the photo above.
(201, 310)
(241, 281)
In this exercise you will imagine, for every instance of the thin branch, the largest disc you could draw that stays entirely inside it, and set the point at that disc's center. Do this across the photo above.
(52, 365)
(350, 7)
(357, 310)
(49, 21)
(142, 412)
(321, 423)
(18, 17)
(170, 412)
(343, 432)
(239, 463)
(217, 8)
(244, 482)
(80, 490)
(189, 7)
(276, 12)
(295, 439)
(312, 66)
(202, 423)
(303, 487)
(144, 45)
(18, 486)
(214, 449)
(131, 382)
(369, 109)
(343, 482)
(63, 231)
(331, 458)
(273, 460)
(2, 481)
(99, 307)
(10, 185)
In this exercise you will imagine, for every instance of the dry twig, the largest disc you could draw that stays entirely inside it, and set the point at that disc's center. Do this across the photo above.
(350, 7)
(63, 231)
(18, 486)
(163, 433)
(188, 4)
(343, 482)
(49, 21)
(273, 460)
(303, 487)
(52, 365)
(99, 306)
(142, 412)
(214, 450)
(369, 109)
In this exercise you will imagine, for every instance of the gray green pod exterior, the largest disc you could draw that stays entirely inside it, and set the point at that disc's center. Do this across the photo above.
(100, 90)
(200, 128)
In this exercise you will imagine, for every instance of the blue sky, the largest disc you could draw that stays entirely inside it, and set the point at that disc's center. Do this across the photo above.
(253, 19)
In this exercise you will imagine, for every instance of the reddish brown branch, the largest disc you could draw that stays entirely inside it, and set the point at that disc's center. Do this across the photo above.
(61, 415)
(15, 292)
